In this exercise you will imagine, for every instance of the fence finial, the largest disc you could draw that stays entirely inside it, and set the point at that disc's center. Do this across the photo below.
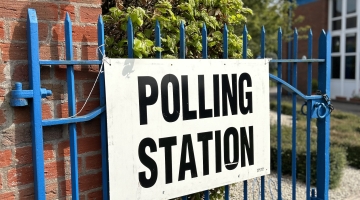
(225, 42)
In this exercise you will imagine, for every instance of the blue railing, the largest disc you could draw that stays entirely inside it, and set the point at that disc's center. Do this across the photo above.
(19, 98)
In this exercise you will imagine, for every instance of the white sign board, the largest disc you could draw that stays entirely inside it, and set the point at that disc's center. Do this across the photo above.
(176, 127)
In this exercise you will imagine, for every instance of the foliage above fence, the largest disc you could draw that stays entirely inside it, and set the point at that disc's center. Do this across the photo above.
(170, 14)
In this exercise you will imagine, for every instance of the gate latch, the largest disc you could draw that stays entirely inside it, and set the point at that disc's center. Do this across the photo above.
(19, 96)
(320, 108)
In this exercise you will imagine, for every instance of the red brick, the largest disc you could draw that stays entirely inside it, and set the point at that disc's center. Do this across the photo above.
(54, 169)
(2, 30)
(81, 73)
(18, 31)
(92, 127)
(89, 144)
(89, 181)
(51, 52)
(64, 149)
(87, 88)
(20, 176)
(48, 152)
(21, 114)
(45, 73)
(46, 111)
(56, 89)
(13, 51)
(52, 191)
(2, 73)
(62, 110)
(2, 117)
(85, 33)
(57, 32)
(7, 196)
(67, 9)
(27, 193)
(65, 187)
(95, 195)
(5, 158)
(89, 15)
(92, 2)
(90, 106)
(47, 11)
(20, 73)
(23, 155)
(93, 162)
(89, 52)
(15, 135)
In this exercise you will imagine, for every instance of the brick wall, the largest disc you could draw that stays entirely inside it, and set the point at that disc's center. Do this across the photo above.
(316, 16)
(16, 170)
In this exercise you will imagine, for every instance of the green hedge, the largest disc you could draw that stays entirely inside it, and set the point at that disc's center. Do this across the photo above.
(337, 156)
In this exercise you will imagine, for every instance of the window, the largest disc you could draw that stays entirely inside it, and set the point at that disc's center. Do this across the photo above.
(335, 67)
(337, 8)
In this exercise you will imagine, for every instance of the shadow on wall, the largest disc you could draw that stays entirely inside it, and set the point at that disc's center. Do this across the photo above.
(17, 130)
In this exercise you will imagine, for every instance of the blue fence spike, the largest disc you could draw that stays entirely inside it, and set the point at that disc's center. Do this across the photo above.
(245, 41)
(279, 133)
(70, 78)
(182, 40)
(204, 42)
(225, 42)
(262, 51)
(104, 142)
(130, 37)
(157, 39)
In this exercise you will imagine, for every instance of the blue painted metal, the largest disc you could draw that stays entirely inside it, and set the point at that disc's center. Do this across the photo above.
(279, 76)
(182, 41)
(204, 42)
(130, 37)
(35, 104)
(262, 55)
(225, 42)
(317, 107)
(227, 192)
(294, 83)
(70, 62)
(244, 56)
(157, 39)
(70, 78)
(323, 139)
(103, 124)
(206, 195)
(308, 119)
(60, 121)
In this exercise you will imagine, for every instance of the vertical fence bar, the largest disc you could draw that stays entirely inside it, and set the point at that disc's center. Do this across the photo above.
(225, 42)
(130, 37)
(104, 143)
(157, 39)
(308, 119)
(294, 83)
(279, 74)
(204, 56)
(35, 104)
(204, 42)
(182, 40)
(323, 139)
(226, 56)
(262, 55)
(72, 109)
(244, 56)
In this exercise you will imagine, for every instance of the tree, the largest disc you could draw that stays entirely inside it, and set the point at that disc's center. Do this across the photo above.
(271, 14)
(170, 14)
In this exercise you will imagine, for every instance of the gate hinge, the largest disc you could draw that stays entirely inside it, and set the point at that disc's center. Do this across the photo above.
(19, 96)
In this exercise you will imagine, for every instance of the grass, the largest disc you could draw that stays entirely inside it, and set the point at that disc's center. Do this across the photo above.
(344, 142)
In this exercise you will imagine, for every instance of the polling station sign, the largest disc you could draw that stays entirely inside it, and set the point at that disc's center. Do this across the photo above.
(176, 127)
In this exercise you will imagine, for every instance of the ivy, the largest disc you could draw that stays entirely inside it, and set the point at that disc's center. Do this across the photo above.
(193, 13)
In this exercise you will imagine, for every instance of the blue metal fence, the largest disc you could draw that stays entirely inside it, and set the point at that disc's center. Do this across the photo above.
(318, 106)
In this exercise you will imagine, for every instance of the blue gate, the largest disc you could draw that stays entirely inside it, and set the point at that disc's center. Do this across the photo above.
(318, 106)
